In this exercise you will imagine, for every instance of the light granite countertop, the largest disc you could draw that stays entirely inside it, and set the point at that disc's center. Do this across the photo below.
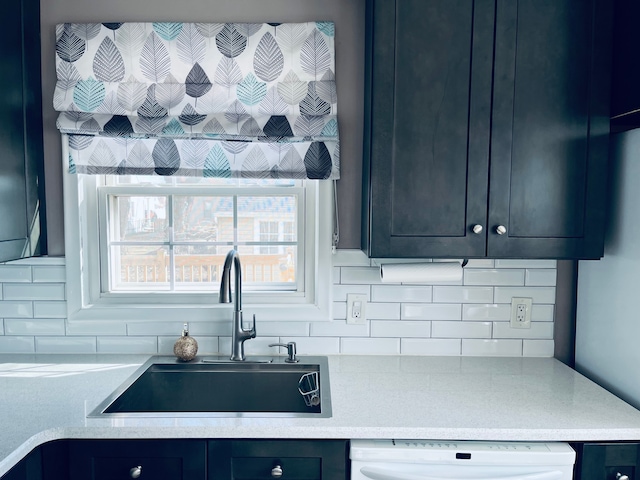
(47, 397)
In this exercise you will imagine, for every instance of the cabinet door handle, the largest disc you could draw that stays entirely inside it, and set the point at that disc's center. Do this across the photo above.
(621, 476)
(477, 229)
(276, 472)
(136, 472)
(501, 229)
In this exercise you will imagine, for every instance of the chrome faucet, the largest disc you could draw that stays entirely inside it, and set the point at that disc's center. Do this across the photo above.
(238, 333)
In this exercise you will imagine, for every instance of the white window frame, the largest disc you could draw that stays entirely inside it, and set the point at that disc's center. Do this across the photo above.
(85, 302)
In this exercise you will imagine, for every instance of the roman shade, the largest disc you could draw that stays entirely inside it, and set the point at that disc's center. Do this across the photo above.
(224, 100)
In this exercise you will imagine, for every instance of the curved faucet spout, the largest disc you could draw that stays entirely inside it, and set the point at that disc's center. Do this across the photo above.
(232, 259)
(238, 333)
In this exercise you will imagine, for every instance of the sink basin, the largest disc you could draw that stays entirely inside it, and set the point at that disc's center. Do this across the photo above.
(260, 387)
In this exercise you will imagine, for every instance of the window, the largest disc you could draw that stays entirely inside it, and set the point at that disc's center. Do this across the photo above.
(158, 244)
(174, 235)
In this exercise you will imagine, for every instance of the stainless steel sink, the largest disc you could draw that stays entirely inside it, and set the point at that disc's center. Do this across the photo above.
(212, 386)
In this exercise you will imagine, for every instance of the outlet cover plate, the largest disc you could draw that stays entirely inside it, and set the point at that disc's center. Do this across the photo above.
(521, 312)
(356, 309)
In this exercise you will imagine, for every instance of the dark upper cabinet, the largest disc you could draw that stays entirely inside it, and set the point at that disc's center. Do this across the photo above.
(21, 150)
(485, 114)
(625, 94)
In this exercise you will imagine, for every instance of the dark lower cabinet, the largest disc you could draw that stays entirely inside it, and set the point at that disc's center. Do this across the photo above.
(607, 461)
(29, 468)
(122, 459)
(185, 459)
(269, 459)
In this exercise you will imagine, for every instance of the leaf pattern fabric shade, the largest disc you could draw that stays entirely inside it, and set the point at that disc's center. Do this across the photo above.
(199, 99)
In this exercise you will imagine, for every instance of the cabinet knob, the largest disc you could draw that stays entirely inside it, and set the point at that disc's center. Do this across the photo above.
(477, 229)
(276, 472)
(136, 472)
(501, 229)
(620, 476)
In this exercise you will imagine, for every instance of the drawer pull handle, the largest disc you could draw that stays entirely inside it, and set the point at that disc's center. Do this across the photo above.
(135, 472)
(276, 472)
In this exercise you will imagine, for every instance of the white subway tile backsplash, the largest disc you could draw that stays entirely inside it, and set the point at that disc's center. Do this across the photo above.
(15, 273)
(40, 326)
(480, 263)
(281, 329)
(206, 345)
(339, 328)
(350, 258)
(493, 348)
(370, 346)
(65, 344)
(402, 329)
(537, 348)
(488, 311)
(49, 309)
(463, 294)
(493, 277)
(148, 345)
(542, 313)
(539, 294)
(94, 327)
(525, 263)
(359, 275)
(540, 330)
(538, 277)
(432, 311)
(461, 329)
(339, 310)
(315, 345)
(14, 309)
(468, 319)
(335, 275)
(340, 291)
(11, 344)
(383, 311)
(49, 274)
(401, 293)
(430, 346)
(32, 291)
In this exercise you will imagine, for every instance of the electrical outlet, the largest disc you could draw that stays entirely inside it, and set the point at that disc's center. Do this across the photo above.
(356, 308)
(521, 312)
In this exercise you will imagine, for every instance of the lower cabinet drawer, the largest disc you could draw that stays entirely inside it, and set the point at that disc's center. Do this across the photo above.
(273, 459)
(126, 459)
(276, 467)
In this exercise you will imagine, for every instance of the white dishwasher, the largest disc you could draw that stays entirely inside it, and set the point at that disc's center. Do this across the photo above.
(464, 460)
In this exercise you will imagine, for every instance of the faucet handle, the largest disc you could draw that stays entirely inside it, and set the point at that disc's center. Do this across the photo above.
(291, 351)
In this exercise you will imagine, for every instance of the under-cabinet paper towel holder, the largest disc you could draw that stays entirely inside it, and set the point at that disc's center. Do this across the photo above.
(422, 272)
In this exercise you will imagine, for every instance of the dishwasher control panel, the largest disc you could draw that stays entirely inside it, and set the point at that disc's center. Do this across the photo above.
(461, 460)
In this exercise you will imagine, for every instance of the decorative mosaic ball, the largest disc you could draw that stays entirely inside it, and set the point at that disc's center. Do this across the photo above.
(186, 347)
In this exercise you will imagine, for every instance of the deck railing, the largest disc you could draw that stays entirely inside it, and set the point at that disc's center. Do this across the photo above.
(203, 268)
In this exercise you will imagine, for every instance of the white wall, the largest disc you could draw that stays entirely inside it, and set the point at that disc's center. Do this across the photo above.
(608, 311)
(468, 317)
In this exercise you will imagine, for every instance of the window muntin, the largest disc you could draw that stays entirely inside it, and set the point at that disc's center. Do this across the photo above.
(172, 235)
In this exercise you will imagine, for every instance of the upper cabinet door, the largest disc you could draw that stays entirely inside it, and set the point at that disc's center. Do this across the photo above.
(471, 153)
(21, 150)
(428, 104)
(549, 139)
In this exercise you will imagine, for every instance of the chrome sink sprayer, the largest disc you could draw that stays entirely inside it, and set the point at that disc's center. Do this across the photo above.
(238, 333)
